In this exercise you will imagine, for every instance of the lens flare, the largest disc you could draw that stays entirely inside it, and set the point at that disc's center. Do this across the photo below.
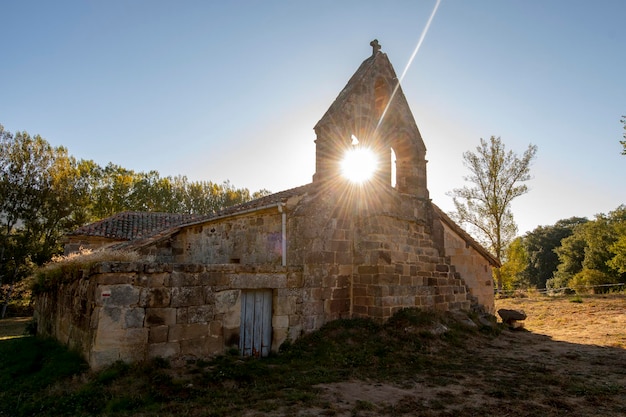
(359, 165)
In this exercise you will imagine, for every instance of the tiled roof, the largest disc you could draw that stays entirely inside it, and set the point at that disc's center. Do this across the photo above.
(253, 205)
(267, 200)
(131, 225)
(135, 226)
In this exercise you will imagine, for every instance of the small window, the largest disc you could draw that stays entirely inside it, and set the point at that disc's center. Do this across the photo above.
(393, 168)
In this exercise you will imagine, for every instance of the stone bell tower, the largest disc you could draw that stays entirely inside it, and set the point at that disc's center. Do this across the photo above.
(372, 108)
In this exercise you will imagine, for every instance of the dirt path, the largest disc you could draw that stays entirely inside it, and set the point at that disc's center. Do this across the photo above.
(569, 361)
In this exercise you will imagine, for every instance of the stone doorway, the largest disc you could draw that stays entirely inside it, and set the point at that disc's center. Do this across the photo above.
(256, 323)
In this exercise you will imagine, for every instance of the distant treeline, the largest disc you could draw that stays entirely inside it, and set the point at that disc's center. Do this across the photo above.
(574, 253)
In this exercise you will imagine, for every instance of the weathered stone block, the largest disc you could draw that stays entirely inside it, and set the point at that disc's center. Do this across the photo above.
(195, 347)
(216, 278)
(184, 279)
(259, 281)
(320, 257)
(158, 297)
(163, 350)
(226, 301)
(216, 328)
(364, 301)
(280, 322)
(339, 293)
(158, 334)
(187, 296)
(312, 308)
(134, 317)
(110, 318)
(118, 295)
(364, 279)
(116, 278)
(285, 305)
(359, 310)
(180, 332)
(160, 316)
(367, 269)
(336, 307)
(295, 320)
(215, 345)
(294, 280)
(359, 291)
(200, 314)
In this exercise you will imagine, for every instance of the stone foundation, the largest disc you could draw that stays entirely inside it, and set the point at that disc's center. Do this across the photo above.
(134, 311)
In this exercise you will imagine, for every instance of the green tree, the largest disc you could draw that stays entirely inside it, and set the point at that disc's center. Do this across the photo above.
(571, 255)
(38, 202)
(496, 176)
(618, 262)
(591, 255)
(540, 245)
(515, 263)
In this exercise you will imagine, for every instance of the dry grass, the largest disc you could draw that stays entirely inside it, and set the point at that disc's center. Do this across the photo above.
(12, 328)
(569, 360)
(87, 256)
(589, 319)
(68, 268)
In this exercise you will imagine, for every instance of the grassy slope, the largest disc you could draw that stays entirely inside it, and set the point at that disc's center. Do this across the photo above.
(417, 371)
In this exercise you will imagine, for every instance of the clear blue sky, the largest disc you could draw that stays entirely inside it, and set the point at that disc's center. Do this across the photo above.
(219, 90)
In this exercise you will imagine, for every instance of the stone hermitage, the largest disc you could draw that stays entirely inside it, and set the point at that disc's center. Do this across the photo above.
(257, 274)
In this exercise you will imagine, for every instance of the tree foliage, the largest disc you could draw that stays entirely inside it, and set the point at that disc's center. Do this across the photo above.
(540, 245)
(45, 193)
(594, 253)
(516, 261)
(496, 176)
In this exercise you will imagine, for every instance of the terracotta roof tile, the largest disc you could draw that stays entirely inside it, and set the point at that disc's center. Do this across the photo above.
(131, 225)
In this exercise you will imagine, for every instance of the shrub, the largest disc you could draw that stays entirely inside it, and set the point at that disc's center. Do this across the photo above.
(585, 281)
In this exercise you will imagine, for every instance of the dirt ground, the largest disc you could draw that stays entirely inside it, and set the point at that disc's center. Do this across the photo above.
(570, 360)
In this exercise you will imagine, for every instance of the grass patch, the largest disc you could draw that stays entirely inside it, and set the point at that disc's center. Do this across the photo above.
(434, 364)
(11, 328)
(576, 299)
(41, 377)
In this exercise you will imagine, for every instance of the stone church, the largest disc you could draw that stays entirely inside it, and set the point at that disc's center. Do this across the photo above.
(257, 274)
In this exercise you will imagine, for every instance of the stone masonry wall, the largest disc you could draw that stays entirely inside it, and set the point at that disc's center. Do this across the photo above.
(398, 267)
(474, 269)
(134, 311)
(372, 256)
(247, 239)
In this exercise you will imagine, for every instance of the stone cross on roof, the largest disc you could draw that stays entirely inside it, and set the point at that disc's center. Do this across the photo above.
(375, 46)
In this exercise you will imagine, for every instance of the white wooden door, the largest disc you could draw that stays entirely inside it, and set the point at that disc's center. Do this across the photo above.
(255, 332)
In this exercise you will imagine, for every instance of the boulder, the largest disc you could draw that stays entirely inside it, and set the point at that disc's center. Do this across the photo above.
(512, 317)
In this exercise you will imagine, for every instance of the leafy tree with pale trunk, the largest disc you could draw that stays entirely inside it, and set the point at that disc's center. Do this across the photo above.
(496, 176)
